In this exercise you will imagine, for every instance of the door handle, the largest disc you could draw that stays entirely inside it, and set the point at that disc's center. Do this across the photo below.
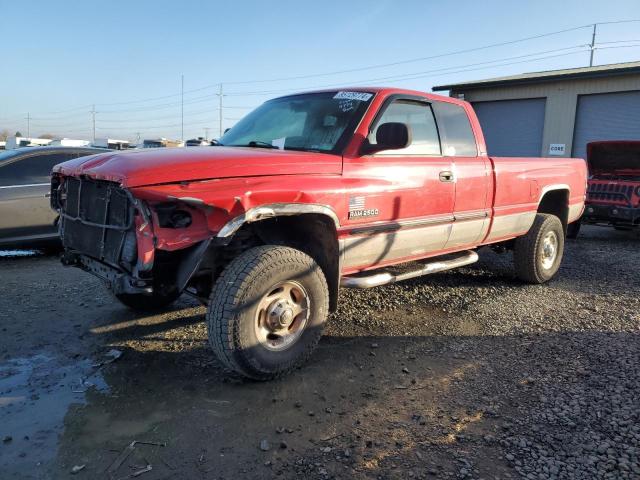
(446, 176)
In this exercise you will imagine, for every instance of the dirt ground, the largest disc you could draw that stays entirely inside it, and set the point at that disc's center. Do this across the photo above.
(465, 374)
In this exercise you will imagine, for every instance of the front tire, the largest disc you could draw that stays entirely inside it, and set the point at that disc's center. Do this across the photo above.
(537, 254)
(267, 311)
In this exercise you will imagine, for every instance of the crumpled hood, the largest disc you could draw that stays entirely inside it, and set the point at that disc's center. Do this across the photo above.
(614, 157)
(151, 166)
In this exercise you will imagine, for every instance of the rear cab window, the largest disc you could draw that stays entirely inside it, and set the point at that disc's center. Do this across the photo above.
(457, 136)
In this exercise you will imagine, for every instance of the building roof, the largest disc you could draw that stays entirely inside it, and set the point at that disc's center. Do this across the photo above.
(547, 76)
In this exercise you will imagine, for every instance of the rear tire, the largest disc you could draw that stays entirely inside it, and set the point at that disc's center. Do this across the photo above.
(537, 254)
(267, 311)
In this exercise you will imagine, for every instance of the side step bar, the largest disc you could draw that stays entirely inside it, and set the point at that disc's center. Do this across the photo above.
(384, 278)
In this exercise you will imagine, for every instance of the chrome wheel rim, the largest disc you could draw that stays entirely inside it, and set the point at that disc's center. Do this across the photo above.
(282, 315)
(549, 250)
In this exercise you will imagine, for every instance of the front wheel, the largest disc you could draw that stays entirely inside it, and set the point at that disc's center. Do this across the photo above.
(537, 254)
(267, 311)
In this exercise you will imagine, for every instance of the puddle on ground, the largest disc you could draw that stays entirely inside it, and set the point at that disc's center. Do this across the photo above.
(35, 395)
(19, 253)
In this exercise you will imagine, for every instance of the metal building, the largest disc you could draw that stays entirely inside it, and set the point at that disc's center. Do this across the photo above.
(556, 112)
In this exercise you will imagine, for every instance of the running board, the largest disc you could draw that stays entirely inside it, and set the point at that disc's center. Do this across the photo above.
(384, 278)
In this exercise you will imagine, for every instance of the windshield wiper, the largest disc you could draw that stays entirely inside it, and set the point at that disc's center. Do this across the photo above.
(260, 144)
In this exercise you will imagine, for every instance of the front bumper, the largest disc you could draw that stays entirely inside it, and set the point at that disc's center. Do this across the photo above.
(119, 281)
(612, 214)
(104, 231)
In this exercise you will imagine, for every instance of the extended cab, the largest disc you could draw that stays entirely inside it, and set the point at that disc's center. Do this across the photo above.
(613, 191)
(307, 193)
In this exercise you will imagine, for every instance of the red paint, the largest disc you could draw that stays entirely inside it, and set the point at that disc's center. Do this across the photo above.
(229, 181)
(614, 167)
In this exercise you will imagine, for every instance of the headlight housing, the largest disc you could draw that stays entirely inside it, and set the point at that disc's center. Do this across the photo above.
(170, 216)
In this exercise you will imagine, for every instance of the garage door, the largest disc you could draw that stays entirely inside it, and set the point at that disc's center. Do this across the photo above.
(606, 116)
(512, 128)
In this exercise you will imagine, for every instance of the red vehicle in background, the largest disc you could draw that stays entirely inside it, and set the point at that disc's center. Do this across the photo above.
(613, 192)
(306, 194)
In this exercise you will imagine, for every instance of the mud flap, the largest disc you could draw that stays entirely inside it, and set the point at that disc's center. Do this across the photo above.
(190, 264)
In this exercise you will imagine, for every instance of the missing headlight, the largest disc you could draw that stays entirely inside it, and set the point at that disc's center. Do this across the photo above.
(171, 217)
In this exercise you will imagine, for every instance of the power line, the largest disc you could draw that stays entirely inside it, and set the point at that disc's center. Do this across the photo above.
(93, 116)
(220, 95)
(351, 70)
(618, 21)
(618, 46)
(427, 73)
(142, 119)
(161, 126)
(526, 58)
(411, 75)
(414, 60)
(592, 45)
(204, 98)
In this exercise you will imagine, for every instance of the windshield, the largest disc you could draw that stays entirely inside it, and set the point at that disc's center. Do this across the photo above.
(321, 122)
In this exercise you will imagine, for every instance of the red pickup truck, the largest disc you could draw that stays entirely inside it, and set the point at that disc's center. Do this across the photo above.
(355, 188)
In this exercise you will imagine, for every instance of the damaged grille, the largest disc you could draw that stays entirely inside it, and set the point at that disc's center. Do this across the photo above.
(610, 192)
(97, 219)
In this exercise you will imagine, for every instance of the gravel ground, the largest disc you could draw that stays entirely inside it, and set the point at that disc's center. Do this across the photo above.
(465, 374)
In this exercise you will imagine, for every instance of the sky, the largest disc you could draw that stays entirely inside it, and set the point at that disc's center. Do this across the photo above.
(128, 57)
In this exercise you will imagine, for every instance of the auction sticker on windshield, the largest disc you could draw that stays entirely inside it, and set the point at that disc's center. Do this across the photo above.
(359, 96)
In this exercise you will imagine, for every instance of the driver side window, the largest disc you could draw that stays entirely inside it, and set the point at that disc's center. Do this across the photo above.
(422, 125)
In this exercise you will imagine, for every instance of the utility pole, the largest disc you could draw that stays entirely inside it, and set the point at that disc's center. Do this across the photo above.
(182, 109)
(206, 133)
(592, 45)
(28, 119)
(220, 112)
(93, 116)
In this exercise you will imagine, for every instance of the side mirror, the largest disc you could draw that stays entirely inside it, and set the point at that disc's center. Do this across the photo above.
(390, 136)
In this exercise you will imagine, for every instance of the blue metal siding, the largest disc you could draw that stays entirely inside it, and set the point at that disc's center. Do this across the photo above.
(606, 116)
(512, 128)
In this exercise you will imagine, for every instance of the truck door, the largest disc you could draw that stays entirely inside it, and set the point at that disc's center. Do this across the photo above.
(471, 209)
(401, 201)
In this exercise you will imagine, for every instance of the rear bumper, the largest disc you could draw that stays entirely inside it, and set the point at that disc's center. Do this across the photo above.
(613, 214)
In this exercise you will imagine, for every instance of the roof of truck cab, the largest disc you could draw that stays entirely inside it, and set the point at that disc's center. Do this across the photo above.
(382, 90)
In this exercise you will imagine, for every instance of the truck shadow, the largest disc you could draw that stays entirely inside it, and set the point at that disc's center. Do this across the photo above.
(467, 291)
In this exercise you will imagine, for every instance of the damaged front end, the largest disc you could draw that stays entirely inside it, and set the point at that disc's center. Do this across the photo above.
(134, 246)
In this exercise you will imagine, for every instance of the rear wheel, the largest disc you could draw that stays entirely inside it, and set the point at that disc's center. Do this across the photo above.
(267, 311)
(537, 254)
